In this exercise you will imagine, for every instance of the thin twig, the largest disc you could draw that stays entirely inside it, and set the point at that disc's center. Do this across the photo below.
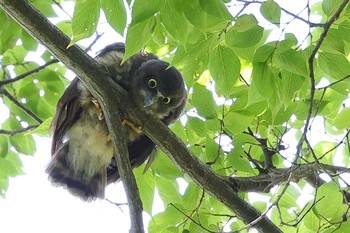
(334, 83)
(270, 207)
(17, 131)
(22, 76)
(312, 74)
(189, 217)
(98, 36)
(296, 16)
(21, 106)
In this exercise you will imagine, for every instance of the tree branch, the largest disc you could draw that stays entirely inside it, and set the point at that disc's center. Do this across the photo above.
(277, 176)
(13, 132)
(312, 74)
(19, 105)
(22, 76)
(112, 98)
(296, 16)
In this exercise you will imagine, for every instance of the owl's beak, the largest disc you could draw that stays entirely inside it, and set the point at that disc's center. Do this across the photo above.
(149, 100)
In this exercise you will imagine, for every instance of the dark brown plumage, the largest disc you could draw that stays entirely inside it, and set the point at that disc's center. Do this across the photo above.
(82, 153)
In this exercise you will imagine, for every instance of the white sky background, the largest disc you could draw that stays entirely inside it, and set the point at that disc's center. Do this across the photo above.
(33, 205)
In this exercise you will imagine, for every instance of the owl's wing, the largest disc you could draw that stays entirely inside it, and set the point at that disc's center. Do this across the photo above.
(68, 110)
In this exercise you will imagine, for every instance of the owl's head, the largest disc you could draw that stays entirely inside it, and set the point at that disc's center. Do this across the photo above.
(159, 89)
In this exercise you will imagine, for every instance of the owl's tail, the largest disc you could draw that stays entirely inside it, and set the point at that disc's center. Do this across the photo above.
(62, 174)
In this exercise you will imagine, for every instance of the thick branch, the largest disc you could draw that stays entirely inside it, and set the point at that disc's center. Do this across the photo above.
(91, 74)
(277, 176)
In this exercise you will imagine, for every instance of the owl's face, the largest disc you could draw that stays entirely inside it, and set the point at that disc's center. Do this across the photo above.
(157, 89)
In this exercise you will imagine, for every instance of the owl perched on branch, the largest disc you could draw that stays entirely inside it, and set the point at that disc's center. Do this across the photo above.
(82, 153)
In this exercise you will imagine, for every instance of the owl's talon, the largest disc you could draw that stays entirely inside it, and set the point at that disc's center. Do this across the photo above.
(137, 129)
(98, 107)
(95, 102)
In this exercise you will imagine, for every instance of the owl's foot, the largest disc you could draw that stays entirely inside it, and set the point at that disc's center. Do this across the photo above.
(136, 128)
(98, 107)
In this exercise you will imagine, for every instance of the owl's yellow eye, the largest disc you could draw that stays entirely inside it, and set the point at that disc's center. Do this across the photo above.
(166, 100)
(152, 83)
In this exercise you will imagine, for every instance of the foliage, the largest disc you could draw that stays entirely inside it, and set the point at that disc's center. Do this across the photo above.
(268, 90)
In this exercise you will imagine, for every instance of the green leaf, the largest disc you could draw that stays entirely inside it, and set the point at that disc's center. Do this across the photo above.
(244, 39)
(10, 166)
(212, 125)
(265, 52)
(207, 108)
(164, 167)
(334, 42)
(146, 184)
(263, 80)
(195, 15)
(28, 41)
(288, 198)
(174, 21)
(245, 22)
(335, 66)
(341, 120)
(271, 11)
(9, 37)
(23, 143)
(344, 27)
(45, 7)
(142, 10)
(42, 129)
(138, 35)
(193, 52)
(179, 130)
(197, 125)
(253, 95)
(225, 66)
(168, 220)
(216, 8)
(329, 7)
(292, 61)
(192, 195)
(4, 145)
(66, 27)
(330, 200)
(115, 13)
(4, 184)
(168, 190)
(237, 121)
(212, 152)
(85, 19)
(239, 163)
(5, 19)
(291, 85)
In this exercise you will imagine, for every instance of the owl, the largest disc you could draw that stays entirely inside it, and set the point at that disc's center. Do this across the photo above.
(82, 152)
